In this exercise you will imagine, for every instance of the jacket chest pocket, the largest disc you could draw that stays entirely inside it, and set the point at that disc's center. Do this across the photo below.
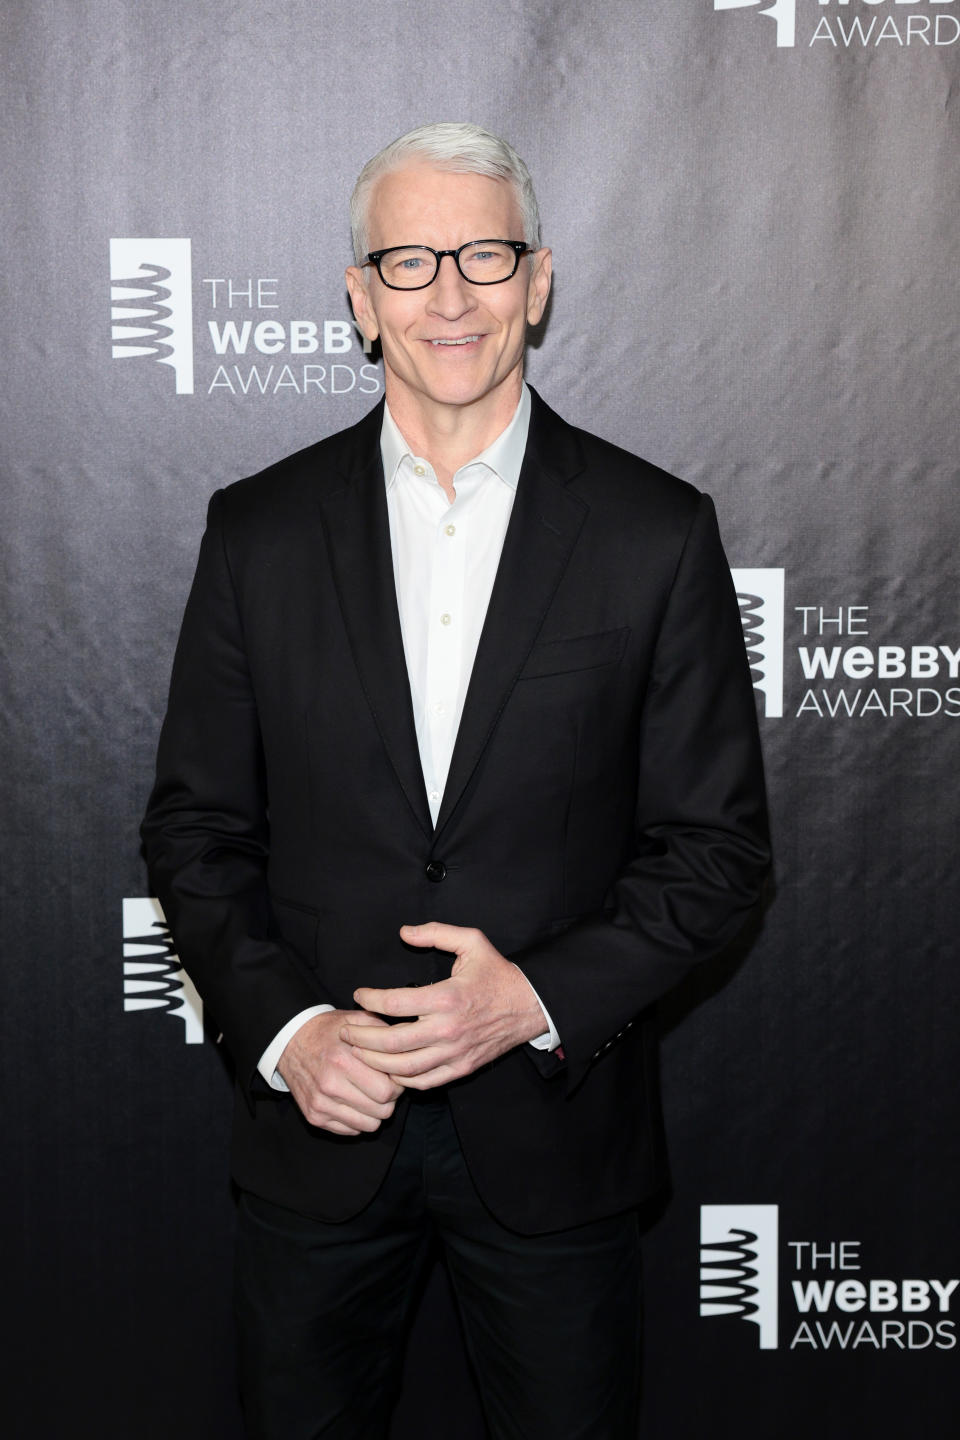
(579, 652)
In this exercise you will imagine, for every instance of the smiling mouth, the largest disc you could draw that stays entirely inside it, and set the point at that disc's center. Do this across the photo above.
(463, 340)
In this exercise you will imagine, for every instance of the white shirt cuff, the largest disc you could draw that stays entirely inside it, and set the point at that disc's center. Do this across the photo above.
(270, 1059)
(549, 1040)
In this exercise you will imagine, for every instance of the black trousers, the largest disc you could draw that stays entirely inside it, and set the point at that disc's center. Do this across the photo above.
(552, 1322)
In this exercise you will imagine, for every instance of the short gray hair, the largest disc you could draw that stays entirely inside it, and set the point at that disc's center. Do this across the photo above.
(447, 145)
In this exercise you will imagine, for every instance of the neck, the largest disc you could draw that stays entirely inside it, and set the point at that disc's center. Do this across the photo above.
(451, 435)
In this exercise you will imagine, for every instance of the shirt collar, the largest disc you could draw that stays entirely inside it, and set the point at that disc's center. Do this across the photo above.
(504, 456)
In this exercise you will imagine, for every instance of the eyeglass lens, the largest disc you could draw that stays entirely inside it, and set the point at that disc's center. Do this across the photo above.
(483, 261)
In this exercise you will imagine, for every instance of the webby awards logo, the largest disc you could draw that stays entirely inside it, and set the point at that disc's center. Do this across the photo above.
(830, 1298)
(153, 978)
(840, 661)
(152, 304)
(856, 24)
(250, 340)
(760, 594)
(738, 1266)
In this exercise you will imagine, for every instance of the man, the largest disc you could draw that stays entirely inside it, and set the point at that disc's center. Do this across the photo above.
(460, 773)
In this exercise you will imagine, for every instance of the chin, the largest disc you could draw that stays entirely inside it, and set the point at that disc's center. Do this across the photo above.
(453, 393)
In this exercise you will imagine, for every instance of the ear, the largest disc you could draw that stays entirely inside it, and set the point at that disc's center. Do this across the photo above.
(360, 300)
(539, 287)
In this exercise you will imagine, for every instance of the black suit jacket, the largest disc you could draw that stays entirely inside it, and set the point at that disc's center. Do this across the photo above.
(603, 821)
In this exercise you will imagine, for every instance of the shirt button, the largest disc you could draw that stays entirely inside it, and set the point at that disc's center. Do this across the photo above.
(436, 871)
(438, 707)
(445, 618)
(419, 469)
(450, 530)
(434, 796)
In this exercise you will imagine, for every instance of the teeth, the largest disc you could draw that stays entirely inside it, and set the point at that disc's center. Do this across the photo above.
(465, 340)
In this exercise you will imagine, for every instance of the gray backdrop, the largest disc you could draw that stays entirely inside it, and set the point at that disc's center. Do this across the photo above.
(754, 217)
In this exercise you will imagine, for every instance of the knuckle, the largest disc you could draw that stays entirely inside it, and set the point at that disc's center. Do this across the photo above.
(327, 1100)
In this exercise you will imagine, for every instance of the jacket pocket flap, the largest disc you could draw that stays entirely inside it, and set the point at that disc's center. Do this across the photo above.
(580, 652)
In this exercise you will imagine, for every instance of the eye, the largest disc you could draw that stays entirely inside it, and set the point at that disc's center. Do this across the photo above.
(406, 264)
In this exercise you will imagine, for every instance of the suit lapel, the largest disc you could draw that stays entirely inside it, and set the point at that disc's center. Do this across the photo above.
(357, 529)
(543, 530)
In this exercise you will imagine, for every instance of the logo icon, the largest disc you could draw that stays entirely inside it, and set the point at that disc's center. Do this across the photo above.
(784, 12)
(761, 597)
(738, 1265)
(152, 304)
(152, 976)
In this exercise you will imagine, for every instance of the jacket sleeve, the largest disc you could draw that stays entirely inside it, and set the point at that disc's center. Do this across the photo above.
(206, 829)
(701, 847)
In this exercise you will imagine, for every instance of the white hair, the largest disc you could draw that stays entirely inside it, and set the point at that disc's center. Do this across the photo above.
(447, 145)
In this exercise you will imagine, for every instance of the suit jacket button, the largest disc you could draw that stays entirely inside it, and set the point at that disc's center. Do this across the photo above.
(436, 871)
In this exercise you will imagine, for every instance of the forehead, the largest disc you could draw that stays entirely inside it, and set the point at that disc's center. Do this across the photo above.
(422, 205)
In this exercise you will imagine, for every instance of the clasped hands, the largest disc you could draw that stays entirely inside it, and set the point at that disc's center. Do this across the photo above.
(346, 1069)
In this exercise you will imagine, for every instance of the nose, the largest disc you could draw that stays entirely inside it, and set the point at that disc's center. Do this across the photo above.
(450, 295)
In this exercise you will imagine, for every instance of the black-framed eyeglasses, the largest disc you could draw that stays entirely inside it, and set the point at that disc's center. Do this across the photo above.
(414, 267)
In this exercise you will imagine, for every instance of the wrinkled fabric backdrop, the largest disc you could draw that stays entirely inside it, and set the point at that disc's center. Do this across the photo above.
(754, 215)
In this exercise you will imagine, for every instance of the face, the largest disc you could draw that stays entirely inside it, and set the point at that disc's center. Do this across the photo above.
(419, 205)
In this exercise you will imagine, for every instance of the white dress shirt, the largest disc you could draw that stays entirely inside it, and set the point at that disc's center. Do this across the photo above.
(445, 558)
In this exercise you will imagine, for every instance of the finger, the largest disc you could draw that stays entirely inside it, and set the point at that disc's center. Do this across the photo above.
(406, 1003)
(415, 1062)
(356, 1098)
(453, 938)
(346, 1083)
(353, 1105)
(351, 1124)
(392, 1039)
(372, 1083)
(341, 1118)
(322, 1109)
(340, 1079)
(429, 1079)
(356, 1017)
